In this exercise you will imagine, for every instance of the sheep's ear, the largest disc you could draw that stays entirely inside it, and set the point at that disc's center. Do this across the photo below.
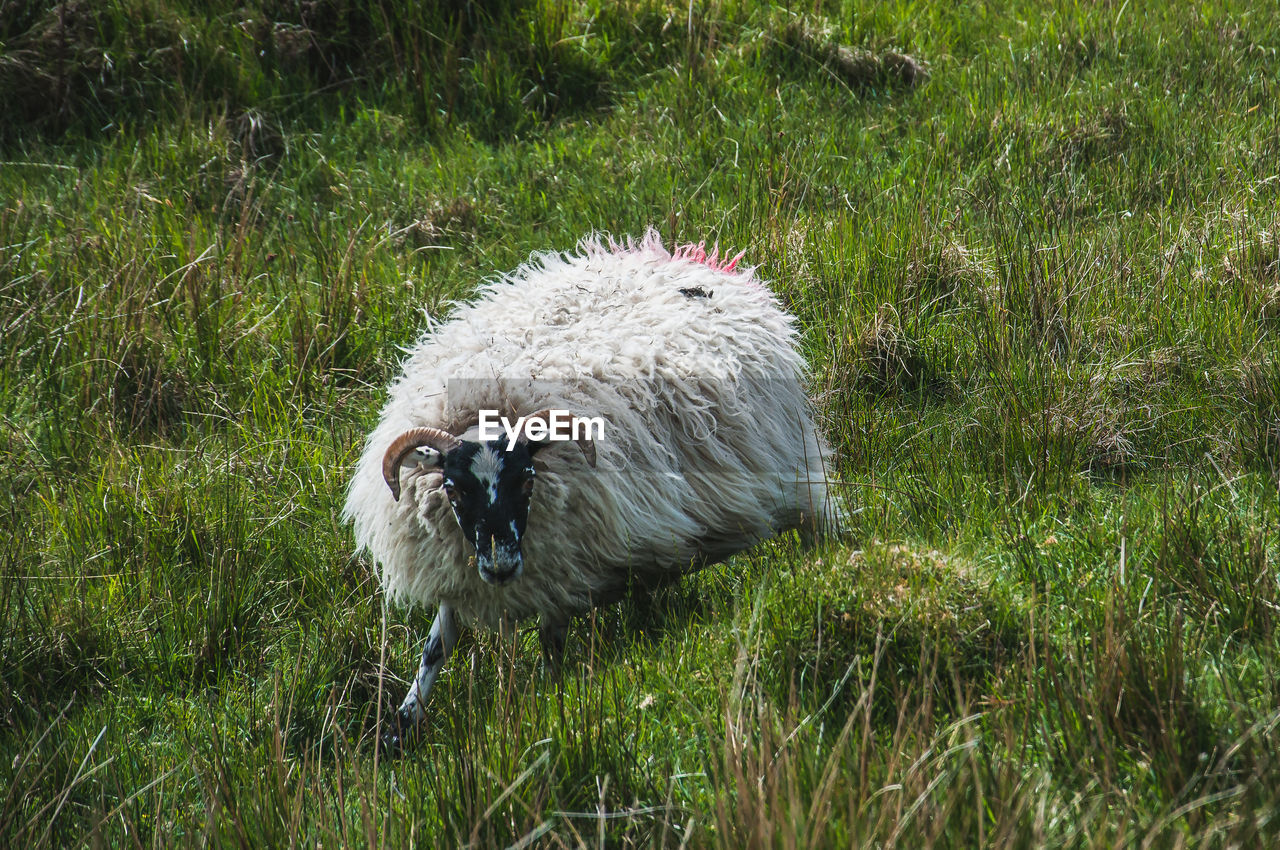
(585, 443)
(424, 456)
(425, 445)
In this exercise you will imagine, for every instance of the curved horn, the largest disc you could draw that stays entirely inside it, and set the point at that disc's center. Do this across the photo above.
(442, 441)
(585, 443)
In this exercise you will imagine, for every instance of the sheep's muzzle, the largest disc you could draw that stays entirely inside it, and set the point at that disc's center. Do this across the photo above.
(501, 564)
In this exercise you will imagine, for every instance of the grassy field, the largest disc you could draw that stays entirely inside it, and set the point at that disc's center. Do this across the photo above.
(1035, 253)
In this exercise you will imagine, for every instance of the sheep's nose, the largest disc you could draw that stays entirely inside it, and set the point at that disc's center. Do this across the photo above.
(502, 563)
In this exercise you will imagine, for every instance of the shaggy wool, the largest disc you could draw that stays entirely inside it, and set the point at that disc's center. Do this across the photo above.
(709, 446)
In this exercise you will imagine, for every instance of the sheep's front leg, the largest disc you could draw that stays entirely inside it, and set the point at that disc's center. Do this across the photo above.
(553, 633)
(443, 637)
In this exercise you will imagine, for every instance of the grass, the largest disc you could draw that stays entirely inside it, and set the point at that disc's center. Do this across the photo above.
(1032, 248)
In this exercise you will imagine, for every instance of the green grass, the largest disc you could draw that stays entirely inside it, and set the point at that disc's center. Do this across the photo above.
(1035, 253)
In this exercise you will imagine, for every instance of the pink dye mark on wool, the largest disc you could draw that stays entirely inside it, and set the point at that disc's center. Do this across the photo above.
(698, 254)
(651, 243)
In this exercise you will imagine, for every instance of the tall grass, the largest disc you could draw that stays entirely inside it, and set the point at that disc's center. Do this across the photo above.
(1032, 250)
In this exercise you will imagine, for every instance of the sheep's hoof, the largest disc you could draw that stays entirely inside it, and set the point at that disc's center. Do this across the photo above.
(400, 732)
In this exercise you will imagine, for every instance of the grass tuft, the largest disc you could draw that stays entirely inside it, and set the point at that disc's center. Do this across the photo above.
(858, 68)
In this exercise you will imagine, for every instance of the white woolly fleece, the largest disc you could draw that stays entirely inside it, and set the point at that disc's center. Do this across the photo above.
(710, 445)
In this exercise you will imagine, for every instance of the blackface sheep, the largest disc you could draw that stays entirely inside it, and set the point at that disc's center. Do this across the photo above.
(690, 366)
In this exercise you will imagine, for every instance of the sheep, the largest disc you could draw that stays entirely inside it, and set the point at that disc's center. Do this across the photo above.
(708, 445)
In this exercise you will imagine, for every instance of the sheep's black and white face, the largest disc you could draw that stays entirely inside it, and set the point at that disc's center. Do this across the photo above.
(489, 488)
(489, 484)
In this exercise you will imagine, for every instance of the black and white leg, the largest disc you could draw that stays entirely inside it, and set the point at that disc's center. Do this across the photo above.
(443, 637)
(553, 634)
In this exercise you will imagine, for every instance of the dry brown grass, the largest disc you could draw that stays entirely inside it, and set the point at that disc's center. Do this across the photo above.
(857, 67)
(443, 221)
(1254, 263)
(1099, 426)
(948, 272)
(889, 360)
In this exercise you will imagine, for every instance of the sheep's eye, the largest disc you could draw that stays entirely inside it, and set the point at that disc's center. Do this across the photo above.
(451, 492)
